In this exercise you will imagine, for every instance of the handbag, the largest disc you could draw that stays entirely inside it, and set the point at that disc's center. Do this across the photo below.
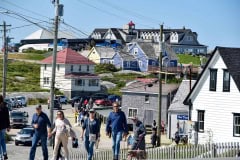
(92, 137)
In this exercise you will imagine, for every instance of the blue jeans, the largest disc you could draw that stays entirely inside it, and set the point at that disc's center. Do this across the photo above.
(116, 139)
(89, 147)
(35, 140)
(2, 142)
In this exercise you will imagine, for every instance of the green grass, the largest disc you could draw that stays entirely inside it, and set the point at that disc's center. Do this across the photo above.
(187, 59)
(29, 71)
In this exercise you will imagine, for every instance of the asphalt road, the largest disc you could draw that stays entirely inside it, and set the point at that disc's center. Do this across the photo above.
(22, 152)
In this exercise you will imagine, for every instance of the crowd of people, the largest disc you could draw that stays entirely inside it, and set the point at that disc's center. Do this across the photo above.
(61, 131)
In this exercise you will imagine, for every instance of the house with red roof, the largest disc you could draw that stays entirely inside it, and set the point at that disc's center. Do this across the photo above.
(74, 74)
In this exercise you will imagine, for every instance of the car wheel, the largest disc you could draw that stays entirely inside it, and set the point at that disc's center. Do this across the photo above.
(16, 143)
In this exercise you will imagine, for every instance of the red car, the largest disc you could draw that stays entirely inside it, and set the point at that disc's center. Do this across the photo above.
(103, 102)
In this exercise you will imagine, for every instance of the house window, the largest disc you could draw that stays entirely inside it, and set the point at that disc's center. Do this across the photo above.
(111, 61)
(201, 120)
(46, 80)
(93, 82)
(104, 61)
(140, 63)
(80, 68)
(135, 51)
(132, 112)
(146, 98)
(236, 124)
(71, 68)
(213, 79)
(45, 67)
(87, 68)
(226, 81)
(153, 64)
(58, 67)
(79, 82)
(128, 64)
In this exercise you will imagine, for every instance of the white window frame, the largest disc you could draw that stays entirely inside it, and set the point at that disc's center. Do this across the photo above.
(45, 67)
(104, 61)
(130, 116)
(135, 51)
(147, 100)
(46, 80)
(93, 84)
(128, 64)
(58, 67)
(79, 82)
(140, 63)
(71, 68)
(235, 115)
(111, 61)
(87, 68)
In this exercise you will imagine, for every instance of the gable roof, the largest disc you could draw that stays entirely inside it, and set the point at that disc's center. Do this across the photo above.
(105, 52)
(231, 58)
(125, 55)
(68, 56)
(182, 92)
(147, 49)
(139, 86)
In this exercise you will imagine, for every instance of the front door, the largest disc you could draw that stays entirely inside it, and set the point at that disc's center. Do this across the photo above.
(148, 117)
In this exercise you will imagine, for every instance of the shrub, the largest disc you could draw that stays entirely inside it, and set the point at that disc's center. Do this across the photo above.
(35, 101)
(105, 68)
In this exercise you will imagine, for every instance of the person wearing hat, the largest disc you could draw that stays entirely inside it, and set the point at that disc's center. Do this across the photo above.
(91, 131)
(42, 129)
(117, 124)
(139, 133)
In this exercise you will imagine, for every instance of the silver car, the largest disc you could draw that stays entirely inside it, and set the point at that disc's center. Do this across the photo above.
(24, 136)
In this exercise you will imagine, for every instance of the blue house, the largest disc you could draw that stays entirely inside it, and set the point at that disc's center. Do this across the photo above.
(144, 54)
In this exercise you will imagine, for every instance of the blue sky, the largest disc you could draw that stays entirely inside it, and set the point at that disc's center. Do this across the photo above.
(217, 22)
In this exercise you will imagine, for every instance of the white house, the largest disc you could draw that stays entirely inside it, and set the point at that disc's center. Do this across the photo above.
(74, 74)
(214, 100)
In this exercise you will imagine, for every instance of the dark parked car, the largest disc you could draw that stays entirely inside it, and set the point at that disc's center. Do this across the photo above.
(99, 96)
(114, 98)
(57, 105)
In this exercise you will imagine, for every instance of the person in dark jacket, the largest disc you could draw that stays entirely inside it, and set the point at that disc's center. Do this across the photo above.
(138, 146)
(42, 129)
(4, 125)
(117, 123)
(154, 138)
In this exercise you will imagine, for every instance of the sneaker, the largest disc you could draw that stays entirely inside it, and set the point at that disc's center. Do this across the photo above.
(5, 156)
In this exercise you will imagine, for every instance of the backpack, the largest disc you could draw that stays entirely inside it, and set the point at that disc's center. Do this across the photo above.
(74, 143)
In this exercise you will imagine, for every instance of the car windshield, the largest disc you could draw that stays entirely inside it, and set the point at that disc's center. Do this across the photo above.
(26, 131)
(21, 98)
(18, 114)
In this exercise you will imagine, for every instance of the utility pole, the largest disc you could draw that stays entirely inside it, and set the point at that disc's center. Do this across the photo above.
(160, 86)
(5, 57)
(54, 55)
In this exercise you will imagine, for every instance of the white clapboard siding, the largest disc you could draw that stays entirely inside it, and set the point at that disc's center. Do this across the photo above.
(219, 106)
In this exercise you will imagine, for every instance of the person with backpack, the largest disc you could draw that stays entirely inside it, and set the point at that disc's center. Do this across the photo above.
(117, 123)
(91, 132)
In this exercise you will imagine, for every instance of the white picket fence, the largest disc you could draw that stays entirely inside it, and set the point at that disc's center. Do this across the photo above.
(206, 151)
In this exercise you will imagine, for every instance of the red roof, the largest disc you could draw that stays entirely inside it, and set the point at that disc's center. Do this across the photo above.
(68, 56)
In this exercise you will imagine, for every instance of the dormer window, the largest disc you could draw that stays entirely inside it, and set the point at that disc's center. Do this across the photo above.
(226, 81)
(135, 51)
(213, 79)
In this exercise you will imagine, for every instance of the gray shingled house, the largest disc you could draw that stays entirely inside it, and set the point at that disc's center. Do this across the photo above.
(178, 112)
(140, 98)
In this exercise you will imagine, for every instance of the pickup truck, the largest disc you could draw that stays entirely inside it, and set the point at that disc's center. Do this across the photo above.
(18, 118)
